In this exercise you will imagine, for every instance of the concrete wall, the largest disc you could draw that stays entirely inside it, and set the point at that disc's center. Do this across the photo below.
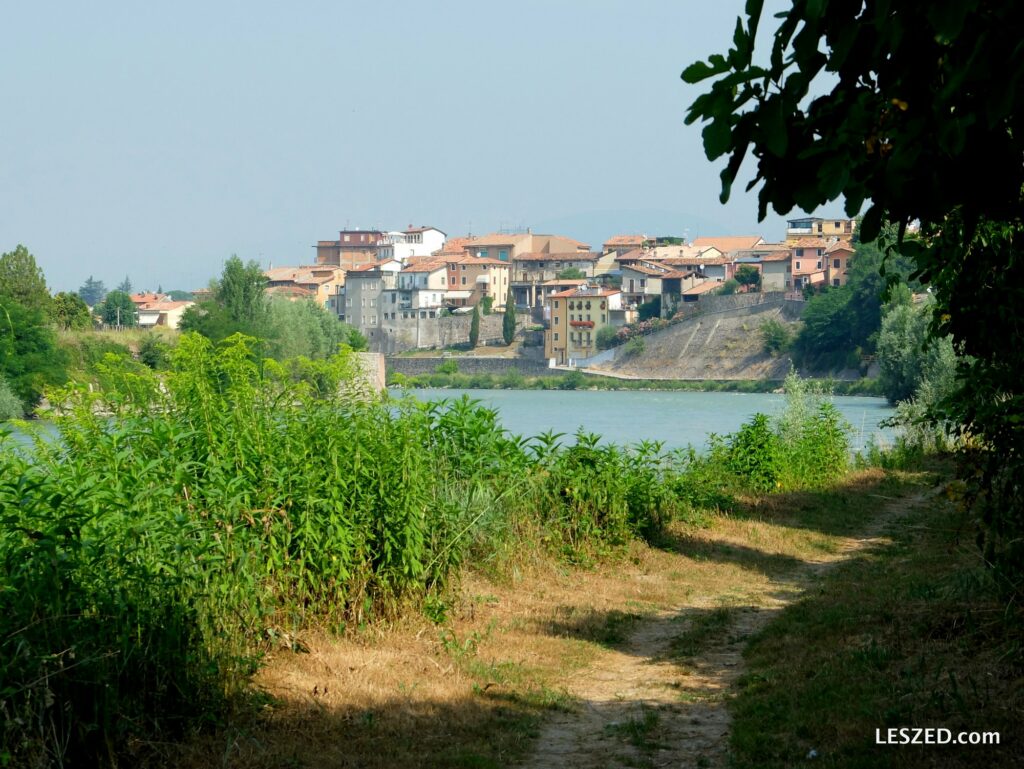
(471, 365)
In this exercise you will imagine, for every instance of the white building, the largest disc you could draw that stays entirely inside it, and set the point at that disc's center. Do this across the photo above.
(414, 241)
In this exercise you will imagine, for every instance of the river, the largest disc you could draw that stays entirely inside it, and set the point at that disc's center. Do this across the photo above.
(678, 419)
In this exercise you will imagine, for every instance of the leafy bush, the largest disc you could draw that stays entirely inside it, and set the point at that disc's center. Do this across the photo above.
(10, 404)
(776, 336)
(607, 336)
(449, 366)
(574, 380)
(750, 276)
(813, 436)
(729, 287)
(754, 455)
(154, 352)
(650, 309)
(634, 346)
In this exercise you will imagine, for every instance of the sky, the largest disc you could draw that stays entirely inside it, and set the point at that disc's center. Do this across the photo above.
(156, 140)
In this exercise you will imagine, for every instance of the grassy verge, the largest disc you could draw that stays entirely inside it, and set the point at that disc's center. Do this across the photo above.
(581, 381)
(476, 689)
(909, 634)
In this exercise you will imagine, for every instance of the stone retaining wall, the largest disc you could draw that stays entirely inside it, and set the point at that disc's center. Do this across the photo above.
(471, 365)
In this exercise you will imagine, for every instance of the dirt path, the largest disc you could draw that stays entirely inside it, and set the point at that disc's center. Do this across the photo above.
(650, 703)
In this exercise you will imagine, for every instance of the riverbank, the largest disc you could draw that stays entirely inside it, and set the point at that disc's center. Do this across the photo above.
(579, 380)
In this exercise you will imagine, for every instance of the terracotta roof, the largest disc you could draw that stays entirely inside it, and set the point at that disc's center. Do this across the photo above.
(412, 230)
(147, 296)
(577, 243)
(306, 274)
(644, 269)
(702, 288)
(290, 291)
(810, 243)
(679, 274)
(469, 259)
(455, 245)
(564, 256)
(165, 305)
(497, 240)
(584, 293)
(776, 256)
(682, 261)
(728, 243)
(839, 245)
(431, 266)
(411, 260)
(565, 282)
(630, 256)
(625, 240)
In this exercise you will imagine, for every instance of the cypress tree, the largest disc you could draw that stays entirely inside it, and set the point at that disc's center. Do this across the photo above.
(508, 322)
(474, 327)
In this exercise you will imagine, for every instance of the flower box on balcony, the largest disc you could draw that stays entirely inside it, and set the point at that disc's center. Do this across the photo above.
(581, 323)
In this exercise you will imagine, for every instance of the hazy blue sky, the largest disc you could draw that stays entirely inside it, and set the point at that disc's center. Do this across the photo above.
(157, 141)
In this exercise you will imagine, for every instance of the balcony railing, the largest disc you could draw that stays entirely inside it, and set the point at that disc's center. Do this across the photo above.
(581, 323)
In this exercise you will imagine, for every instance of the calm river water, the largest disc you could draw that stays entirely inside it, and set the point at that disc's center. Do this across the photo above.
(678, 419)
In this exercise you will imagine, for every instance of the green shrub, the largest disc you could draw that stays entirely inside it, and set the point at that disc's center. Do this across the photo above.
(776, 337)
(11, 406)
(814, 438)
(153, 351)
(607, 336)
(449, 366)
(574, 380)
(633, 347)
(754, 455)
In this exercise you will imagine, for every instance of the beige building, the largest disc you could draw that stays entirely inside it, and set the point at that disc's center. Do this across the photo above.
(472, 279)
(620, 244)
(530, 271)
(319, 282)
(576, 316)
(837, 262)
(772, 260)
(816, 227)
(163, 312)
(641, 281)
(726, 244)
(505, 248)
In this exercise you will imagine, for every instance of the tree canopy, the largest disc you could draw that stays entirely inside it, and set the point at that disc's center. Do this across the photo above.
(747, 275)
(92, 291)
(70, 311)
(118, 309)
(919, 119)
(22, 280)
(29, 356)
(240, 291)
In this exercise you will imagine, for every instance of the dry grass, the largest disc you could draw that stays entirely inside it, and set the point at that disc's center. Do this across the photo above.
(472, 691)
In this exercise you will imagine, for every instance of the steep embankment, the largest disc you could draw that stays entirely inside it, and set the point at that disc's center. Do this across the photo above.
(715, 345)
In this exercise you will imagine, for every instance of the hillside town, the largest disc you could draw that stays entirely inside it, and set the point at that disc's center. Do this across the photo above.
(398, 287)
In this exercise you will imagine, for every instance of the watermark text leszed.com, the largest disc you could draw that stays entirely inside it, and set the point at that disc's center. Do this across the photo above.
(913, 735)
